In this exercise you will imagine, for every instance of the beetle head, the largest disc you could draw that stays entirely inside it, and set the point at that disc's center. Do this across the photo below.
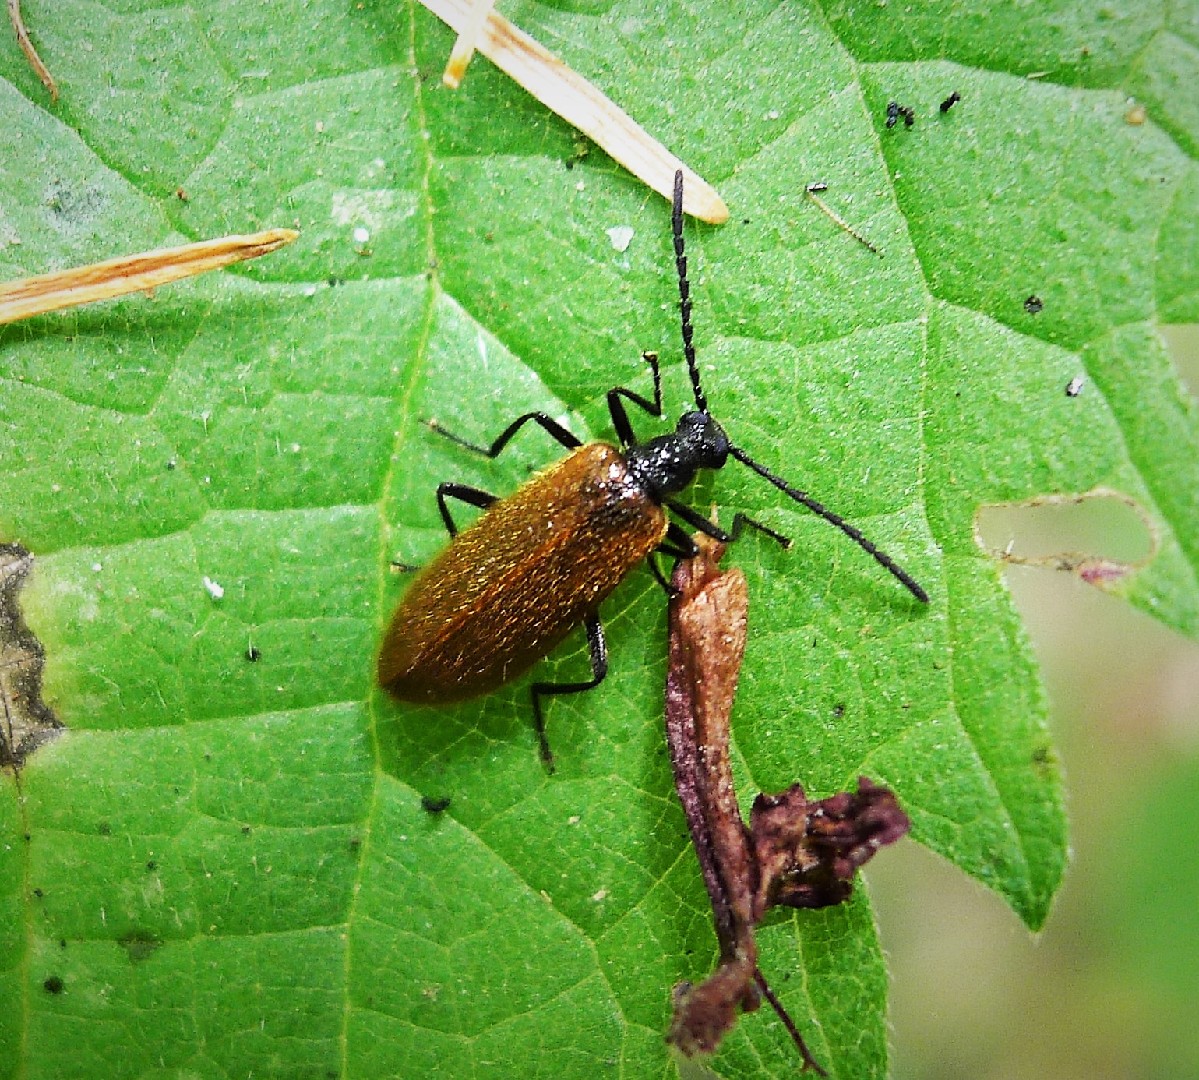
(702, 441)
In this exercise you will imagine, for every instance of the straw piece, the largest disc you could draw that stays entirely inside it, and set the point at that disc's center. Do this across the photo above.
(580, 104)
(464, 47)
(131, 273)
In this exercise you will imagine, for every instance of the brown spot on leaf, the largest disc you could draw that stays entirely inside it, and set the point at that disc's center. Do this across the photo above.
(25, 720)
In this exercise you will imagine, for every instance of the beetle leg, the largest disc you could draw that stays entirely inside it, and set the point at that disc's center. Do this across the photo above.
(740, 521)
(616, 409)
(710, 528)
(671, 592)
(547, 422)
(678, 543)
(463, 493)
(598, 648)
(697, 521)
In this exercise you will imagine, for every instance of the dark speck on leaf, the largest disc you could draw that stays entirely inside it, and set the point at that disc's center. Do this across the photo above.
(139, 945)
(435, 805)
(895, 111)
(1033, 304)
(53, 985)
(253, 654)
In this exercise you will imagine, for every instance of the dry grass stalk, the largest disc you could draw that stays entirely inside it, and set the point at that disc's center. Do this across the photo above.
(131, 273)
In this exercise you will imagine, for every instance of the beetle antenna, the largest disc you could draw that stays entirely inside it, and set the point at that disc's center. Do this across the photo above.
(680, 262)
(822, 511)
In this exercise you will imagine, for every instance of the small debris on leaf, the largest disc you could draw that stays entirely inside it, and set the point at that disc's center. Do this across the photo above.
(895, 111)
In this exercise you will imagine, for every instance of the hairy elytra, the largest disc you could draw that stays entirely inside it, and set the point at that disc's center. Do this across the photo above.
(538, 563)
(512, 586)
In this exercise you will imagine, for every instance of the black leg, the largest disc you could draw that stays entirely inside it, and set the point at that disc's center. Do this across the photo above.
(741, 522)
(547, 422)
(463, 493)
(678, 543)
(710, 528)
(659, 577)
(616, 409)
(697, 521)
(599, 669)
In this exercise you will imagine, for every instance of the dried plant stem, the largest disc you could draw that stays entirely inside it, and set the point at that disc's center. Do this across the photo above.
(35, 61)
(464, 47)
(794, 851)
(579, 103)
(708, 621)
(131, 273)
(836, 218)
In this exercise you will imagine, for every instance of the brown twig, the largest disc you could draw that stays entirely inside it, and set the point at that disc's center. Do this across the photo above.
(813, 191)
(708, 620)
(35, 61)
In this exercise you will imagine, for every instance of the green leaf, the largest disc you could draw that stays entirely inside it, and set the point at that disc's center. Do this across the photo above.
(223, 867)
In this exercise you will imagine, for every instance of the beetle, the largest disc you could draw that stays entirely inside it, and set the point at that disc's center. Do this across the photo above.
(538, 563)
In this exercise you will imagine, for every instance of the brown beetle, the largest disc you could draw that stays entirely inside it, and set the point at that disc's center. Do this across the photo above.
(535, 565)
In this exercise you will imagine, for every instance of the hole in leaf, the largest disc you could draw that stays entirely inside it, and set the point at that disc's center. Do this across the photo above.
(25, 720)
(1182, 343)
(1100, 537)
